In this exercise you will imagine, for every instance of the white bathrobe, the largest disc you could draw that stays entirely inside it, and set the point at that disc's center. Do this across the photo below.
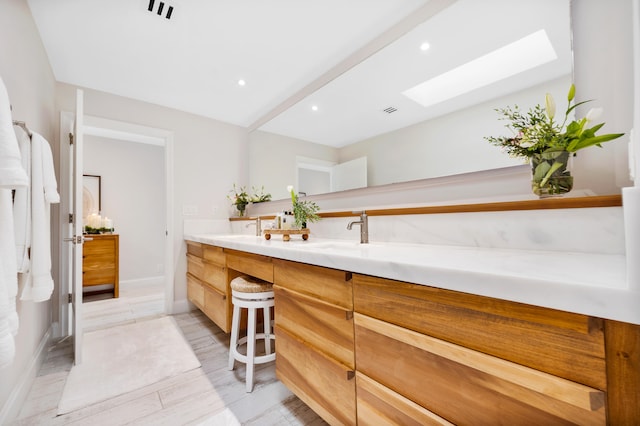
(22, 207)
(12, 176)
(44, 192)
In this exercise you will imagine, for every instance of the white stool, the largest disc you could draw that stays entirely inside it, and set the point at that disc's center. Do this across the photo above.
(252, 294)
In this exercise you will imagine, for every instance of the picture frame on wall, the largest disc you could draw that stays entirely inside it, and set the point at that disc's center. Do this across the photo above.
(91, 195)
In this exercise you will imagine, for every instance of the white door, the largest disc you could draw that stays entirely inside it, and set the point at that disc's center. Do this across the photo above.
(77, 238)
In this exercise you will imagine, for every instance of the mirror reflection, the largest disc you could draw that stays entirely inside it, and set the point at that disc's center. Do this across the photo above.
(420, 107)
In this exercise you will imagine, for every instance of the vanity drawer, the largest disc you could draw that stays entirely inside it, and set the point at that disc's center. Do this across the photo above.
(325, 385)
(251, 264)
(327, 327)
(194, 248)
(469, 387)
(561, 343)
(215, 275)
(195, 266)
(379, 405)
(195, 293)
(213, 254)
(329, 285)
(217, 308)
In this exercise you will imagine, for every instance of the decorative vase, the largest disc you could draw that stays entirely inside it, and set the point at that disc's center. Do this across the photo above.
(551, 173)
(241, 209)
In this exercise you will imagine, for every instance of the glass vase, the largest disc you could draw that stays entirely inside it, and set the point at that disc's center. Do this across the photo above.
(551, 173)
(241, 209)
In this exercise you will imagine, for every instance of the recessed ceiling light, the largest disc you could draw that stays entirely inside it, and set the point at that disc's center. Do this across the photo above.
(425, 46)
(241, 82)
(314, 107)
(522, 55)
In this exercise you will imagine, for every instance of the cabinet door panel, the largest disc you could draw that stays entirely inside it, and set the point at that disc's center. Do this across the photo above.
(379, 405)
(325, 326)
(215, 275)
(194, 248)
(195, 266)
(213, 254)
(252, 264)
(469, 387)
(195, 292)
(560, 343)
(216, 307)
(331, 285)
(327, 386)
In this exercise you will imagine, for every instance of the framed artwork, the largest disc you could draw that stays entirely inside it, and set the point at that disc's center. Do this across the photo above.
(91, 198)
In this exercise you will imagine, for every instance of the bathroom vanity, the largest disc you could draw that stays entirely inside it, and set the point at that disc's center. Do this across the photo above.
(396, 333)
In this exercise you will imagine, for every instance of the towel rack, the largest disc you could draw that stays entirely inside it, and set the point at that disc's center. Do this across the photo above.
(24, 127)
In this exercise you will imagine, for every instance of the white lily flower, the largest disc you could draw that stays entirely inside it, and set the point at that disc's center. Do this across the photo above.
(550, 106)
(289, 188)
(594, 114)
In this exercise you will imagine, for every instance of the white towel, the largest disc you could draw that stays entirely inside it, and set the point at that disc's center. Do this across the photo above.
(44, 191)
(12, 175)
(22, 206)
(8, 281)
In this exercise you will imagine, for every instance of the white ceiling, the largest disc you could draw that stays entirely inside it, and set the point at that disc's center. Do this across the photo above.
(285, 50)
(193, 61)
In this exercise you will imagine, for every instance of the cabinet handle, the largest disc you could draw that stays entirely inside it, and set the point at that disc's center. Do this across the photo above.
(348, 276)
(348, 315)
(351, 374)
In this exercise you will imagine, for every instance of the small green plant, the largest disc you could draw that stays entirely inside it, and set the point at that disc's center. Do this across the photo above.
(259, 196)
(239, 198)
(303, 211)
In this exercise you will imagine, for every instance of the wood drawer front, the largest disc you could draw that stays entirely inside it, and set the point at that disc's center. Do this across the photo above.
(330, 285)
(379, 405)
(326, 386)
(194, 248)
(195, 266)
(99, 275)
(469, 387)
(195, 292)
(214, 254)
(251, 264)
(215, 275)
(217, 308)
(327, 327)
(560, 343)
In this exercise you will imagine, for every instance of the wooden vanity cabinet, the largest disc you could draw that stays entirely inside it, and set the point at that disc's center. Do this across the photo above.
(314, 338)
(208, 283)
(476, 360)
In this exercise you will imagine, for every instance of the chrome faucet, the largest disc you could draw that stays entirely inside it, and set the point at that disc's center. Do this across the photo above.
(258, 225)
(364, 226)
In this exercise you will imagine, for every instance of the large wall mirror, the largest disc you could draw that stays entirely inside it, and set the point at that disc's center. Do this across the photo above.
(416, 111)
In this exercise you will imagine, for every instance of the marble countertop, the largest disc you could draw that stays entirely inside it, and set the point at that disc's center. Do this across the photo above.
(586, 283)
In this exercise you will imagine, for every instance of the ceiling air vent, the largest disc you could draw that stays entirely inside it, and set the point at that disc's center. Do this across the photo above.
(389, 110)
(161, 8)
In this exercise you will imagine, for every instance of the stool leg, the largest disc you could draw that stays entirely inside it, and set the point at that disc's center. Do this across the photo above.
(235, 330)
(267, 330)
(251, 346)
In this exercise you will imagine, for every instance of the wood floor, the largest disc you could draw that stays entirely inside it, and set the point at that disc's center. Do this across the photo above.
(207, 396)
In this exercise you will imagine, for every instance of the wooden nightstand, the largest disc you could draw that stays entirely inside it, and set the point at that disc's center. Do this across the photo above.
(100, 261)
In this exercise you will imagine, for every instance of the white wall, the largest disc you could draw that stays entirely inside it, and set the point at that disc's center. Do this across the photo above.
(26, 73)
(133, 196)
(272, 160)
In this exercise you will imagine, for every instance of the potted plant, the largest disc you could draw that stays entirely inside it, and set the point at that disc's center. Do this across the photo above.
(549, 145)
(239, 198)
(303, 211)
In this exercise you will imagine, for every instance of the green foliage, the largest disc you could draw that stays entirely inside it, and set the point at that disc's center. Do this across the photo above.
(536, 132)
(303, 211)
(259, 196)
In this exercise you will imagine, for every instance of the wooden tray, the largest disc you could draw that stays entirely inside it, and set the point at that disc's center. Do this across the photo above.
(286, 233)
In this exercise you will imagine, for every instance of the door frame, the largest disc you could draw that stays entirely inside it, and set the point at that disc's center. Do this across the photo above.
(120, 130)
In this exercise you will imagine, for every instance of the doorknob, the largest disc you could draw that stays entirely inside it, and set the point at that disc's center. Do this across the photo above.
(77, 239)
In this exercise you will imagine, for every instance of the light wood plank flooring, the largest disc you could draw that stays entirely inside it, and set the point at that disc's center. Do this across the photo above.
(207, 396)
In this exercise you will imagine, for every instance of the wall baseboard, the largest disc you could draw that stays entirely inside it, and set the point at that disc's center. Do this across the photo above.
(18, 396)
(142, 282)
(181, 306)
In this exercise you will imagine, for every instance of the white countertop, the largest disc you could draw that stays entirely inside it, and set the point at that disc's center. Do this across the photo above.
(586, 283)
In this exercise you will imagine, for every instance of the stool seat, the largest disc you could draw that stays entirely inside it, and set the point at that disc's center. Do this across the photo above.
(252, 294)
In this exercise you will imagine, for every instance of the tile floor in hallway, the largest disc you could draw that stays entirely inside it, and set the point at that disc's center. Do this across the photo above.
(210, 395)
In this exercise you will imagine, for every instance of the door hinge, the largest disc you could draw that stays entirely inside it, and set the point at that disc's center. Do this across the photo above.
(70, 298)
(71, 218)
(70, 138)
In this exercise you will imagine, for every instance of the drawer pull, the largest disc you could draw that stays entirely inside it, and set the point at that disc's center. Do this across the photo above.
(348, 315)
(351, 374)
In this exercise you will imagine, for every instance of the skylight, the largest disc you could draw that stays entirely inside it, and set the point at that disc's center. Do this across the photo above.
(522, 55)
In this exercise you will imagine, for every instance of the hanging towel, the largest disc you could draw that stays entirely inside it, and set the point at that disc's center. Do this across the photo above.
(22, 206)
(44, 192)
(12, 175)
(8, 281)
